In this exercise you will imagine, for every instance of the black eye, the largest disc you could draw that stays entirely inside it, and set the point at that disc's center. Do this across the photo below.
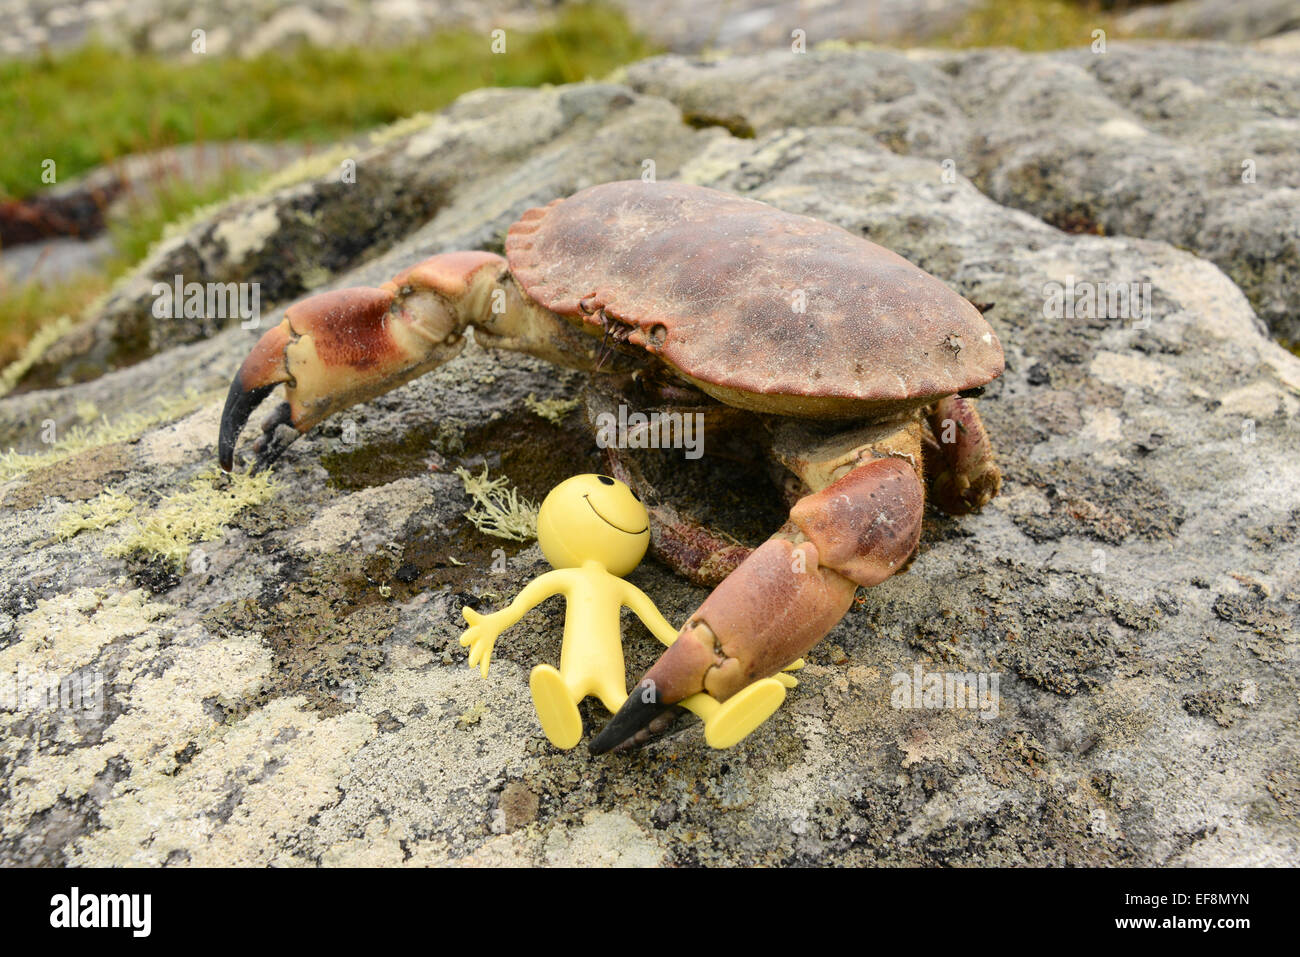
(634, 495)
(605, 480)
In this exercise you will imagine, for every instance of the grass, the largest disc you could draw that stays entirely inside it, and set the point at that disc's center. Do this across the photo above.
(96, 104)
(27, 307)
(61, 108)
(1030, 25)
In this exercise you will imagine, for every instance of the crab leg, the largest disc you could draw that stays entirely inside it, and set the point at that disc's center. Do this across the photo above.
(856, 529)
(701, 554)
(959, 457)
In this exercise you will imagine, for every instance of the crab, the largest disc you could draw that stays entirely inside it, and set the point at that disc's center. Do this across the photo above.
(850, 369)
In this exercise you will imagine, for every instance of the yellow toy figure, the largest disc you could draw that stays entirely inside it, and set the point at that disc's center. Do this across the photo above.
(593, 530)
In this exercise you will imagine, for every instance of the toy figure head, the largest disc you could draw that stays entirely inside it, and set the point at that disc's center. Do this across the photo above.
(593, 518)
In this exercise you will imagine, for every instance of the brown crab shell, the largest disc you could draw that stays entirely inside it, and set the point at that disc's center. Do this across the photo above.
(763, 309)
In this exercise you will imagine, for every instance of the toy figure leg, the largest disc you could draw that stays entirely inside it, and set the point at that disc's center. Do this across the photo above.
(556, 706)
(728, 723)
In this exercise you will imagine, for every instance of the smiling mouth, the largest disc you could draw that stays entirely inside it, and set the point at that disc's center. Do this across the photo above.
(611, 524)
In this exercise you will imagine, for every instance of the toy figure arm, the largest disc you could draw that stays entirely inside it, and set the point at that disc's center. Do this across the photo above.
(645, 609)
(483, 630)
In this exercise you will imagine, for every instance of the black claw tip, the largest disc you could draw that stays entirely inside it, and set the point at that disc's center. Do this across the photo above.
(240, 403)
(641, 707)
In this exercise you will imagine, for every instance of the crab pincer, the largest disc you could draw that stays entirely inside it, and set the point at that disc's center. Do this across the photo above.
(787, 595)
(339, 348)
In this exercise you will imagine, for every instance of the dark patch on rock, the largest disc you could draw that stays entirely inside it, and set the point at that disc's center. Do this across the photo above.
(157, 574)
(1106, 505)
(1253, 613)
(1219, 704)
(733, 123)
(519, 805)
(326, 631)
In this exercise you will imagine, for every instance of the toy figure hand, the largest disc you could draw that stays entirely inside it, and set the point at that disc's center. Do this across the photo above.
(479, 638)
(790, 680)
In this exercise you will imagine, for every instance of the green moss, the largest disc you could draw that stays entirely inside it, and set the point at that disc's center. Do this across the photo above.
(498, 509)
(198, 514)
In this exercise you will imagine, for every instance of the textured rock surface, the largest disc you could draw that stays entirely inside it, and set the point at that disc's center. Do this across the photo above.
(296, 693)
(249, 27)
(1197, 145)
(1215, 19)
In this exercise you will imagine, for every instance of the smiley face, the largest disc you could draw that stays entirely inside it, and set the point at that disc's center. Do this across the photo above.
(593, 518)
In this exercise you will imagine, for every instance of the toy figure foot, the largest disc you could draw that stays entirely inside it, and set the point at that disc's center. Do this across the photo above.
(743, 712)
(555, 708)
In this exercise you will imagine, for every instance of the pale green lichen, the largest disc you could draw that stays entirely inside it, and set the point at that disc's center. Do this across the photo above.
(473, 716)
(316, 166)
(552, 410)
(105, 510)
(498, 509)
(402, 127)
(79, 438)
(197, 514)
(45, 337)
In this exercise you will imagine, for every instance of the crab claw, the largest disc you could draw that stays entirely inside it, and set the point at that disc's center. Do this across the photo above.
(309, 350)
(266, 366)
(778, 603)
(767, 613)
(340, 348)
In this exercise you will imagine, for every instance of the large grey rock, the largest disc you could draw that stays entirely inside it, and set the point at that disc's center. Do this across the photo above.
(747, 26)
(296, 693)
(1197, 145)
(1232, 20)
